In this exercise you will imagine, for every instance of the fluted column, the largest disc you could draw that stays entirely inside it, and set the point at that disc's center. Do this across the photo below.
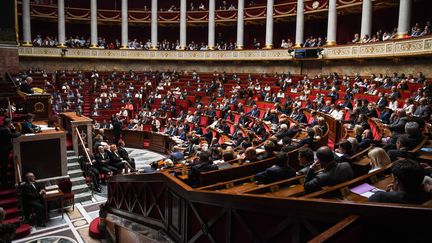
(93, 24)
(124, 24)
(404, 18)
(27, 40)
(211, 25)
(240, 25)
(299, 23)
(366, 24)
(183, 13)
(332, 23)
(154, 24)
(269, 25)
(61, 24)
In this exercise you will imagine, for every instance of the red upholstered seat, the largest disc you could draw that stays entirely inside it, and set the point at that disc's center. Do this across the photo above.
(94, 230)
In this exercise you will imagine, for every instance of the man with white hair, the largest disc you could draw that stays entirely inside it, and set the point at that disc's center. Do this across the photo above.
(25, 85)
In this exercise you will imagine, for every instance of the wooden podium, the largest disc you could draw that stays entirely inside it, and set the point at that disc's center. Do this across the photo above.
(38, 104)
(42, 153)
(69, 121)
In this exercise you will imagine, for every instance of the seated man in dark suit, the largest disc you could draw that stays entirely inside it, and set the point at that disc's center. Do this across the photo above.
(306, 159)
(269, 148)
(25, 86)
(401, 151)
(32, 193)
(406, 187)
(326, 172)
(277, 172)
(205, 164)
(124, 154)
(117, 161)
(103, 162)
(90, 170)
(307, 140)
(366, 139)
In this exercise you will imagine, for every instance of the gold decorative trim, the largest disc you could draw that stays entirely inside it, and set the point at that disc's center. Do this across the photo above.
(402, 35)
(61, 45)
(268, 47)
(153, 48)
(331, 43)
(298, 45)
(93, 46)
(239, 47)
(124, 47)
(388, 49)
(27, 44)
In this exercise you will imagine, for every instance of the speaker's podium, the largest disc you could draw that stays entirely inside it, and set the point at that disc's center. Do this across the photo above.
(38, 104)
(42, 153)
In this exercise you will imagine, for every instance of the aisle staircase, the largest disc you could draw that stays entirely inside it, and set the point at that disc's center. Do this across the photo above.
(79, 187)
(9, 202)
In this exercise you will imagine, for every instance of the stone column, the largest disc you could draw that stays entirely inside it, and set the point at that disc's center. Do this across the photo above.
(93, 24)
(183, 33)
(269, 25)
(240, 25)
(332, 23)
(27, 40)
(211, 25)
(404, 18)
(366, 24)
(61, 24)
(299, 24)
(124, 25)
(154, 25)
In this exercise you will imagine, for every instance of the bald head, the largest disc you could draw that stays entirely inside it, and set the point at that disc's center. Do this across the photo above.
(325, 155)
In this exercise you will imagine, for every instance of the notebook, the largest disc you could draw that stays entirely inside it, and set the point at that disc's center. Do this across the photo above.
(365, 190)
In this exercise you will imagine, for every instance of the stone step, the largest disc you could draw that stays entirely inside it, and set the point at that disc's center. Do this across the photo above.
(75, 173)
(70, 153)
(72, 159)
(80, 188)
(82, 197)
(73, 166)
(77, 181)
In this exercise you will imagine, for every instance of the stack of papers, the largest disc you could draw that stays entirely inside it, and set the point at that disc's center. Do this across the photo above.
(365, 190)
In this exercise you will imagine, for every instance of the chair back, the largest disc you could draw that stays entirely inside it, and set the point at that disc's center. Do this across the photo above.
(65, 186)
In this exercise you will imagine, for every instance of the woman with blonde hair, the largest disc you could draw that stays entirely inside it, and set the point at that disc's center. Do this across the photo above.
(378, 158)
(358, 131)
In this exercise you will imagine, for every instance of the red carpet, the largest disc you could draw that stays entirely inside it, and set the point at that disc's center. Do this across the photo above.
(9, 202)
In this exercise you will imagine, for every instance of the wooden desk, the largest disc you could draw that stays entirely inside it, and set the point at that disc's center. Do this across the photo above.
(46, 150)
(69, 121)
(288, 191)
(58, 196)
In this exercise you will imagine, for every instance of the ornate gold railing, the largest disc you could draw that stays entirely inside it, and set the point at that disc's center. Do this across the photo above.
(397, 48)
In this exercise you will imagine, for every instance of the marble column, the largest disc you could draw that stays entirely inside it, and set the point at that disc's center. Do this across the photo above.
(332, 23)
(27, 40)
(240, 25)
(154, 25)
(93, 24)
(211, 24)
(124, 42)
(404, 18)
(183, 33)
(366, 23)
(269, 25)
(61, 24)
(299, 23)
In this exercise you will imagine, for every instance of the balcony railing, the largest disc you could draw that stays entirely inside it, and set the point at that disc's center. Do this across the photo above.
(388, 49)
